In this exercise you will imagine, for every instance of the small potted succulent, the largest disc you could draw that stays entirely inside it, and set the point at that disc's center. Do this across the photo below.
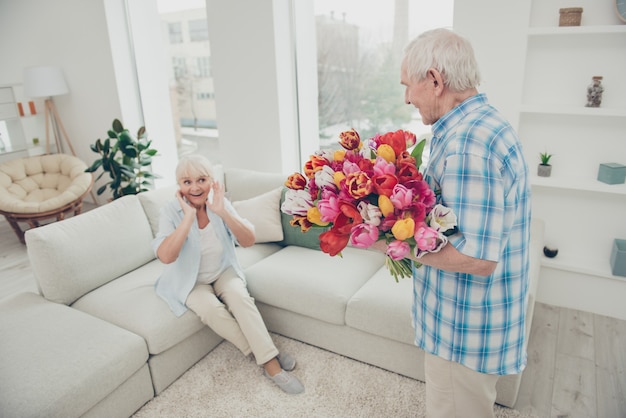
(544, 169)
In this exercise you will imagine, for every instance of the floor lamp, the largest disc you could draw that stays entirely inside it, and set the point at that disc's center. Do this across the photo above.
(47, 81)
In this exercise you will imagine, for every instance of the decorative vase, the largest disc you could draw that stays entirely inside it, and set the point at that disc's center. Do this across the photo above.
(544, 170)
(594, 92)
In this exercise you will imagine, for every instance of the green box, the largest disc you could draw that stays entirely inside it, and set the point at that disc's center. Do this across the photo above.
(612, 173)
(618, 257)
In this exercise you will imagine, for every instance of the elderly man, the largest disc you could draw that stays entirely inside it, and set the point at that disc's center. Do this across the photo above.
(469, 298)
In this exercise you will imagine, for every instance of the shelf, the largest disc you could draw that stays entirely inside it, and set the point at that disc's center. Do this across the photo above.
(584, 185)
(573, 110)
(601, 268)
(577, 30)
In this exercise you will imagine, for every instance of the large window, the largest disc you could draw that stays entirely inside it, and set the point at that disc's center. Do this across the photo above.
(190, 79)
(359, 49)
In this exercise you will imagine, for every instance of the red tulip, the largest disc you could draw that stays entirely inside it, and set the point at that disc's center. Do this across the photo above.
(332, 242)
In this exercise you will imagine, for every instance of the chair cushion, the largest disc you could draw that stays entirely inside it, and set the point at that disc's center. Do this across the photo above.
(42, 183)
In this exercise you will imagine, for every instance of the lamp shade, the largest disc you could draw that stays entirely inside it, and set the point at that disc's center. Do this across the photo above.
(44, 81)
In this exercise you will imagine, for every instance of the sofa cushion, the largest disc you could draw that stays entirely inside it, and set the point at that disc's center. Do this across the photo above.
(131, 302)
(293, 235)
(59, 362)
(310, 282)
(383, 307)
(152, 201)
(242, 184)
(74, 256)
(263, 211)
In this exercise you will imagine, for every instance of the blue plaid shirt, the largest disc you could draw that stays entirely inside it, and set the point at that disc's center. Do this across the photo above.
(476, 162)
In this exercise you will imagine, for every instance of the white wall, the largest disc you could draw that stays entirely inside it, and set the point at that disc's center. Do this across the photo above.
(499, 39)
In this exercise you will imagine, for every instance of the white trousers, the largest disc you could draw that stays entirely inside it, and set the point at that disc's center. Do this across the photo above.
(453, 390)
(228, 309)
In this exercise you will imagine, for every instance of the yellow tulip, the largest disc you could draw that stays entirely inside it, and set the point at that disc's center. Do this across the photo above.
(337, 177)
(314, 216)
(385, 205)
(387, 153)
(403, 229)
(339, 155)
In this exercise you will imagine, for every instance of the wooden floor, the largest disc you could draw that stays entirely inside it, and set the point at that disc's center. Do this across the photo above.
(576, 360)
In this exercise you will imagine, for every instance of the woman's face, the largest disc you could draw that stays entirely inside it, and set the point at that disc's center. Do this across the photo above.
(195, 189)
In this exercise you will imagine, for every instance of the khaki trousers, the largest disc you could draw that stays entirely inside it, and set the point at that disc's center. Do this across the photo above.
(229, 310)
(453, 390)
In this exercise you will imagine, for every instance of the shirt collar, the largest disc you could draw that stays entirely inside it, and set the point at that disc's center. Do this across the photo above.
(452, 118)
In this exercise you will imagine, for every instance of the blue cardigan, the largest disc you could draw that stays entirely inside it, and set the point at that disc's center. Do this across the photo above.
(179, 278)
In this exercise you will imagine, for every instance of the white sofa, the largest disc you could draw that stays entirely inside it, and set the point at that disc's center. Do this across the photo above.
(98, 342)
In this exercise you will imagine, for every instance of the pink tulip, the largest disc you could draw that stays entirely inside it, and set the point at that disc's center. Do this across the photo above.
(401, 197)
(328, 206)
(381, 166)
(398, 250)
(363, 235)
(426, 237)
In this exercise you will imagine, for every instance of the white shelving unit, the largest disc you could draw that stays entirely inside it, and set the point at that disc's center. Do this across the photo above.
(583, 215)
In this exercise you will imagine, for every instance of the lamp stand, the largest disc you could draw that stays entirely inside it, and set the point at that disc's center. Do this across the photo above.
(52, 115)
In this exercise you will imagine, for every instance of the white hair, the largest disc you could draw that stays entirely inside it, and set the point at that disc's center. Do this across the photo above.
(447, 52)
(193, 165)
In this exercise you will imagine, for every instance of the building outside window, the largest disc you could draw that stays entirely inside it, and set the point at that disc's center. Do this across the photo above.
(198, 30)
(202, 68)
(175, 31)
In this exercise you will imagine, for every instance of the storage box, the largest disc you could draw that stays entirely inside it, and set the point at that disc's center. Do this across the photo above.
(570, 16)
(612, 173)
(618, 257)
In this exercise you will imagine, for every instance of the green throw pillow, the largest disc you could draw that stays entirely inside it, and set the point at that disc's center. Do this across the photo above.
(293, 235)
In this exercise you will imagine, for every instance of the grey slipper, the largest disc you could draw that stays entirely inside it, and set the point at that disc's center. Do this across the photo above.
(287, 382)
(287, 362)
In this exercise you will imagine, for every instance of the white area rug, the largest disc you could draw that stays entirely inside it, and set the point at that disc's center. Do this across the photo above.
(227, 384)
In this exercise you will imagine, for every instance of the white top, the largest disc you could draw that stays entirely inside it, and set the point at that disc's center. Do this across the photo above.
(211, 256)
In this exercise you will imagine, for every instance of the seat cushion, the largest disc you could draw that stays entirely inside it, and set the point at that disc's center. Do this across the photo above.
(42, 183)
(131, 302)
(56, 361)
(383, 307)
(247, 256)
(311, 282)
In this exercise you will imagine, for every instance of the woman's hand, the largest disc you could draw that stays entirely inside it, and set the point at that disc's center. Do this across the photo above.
(217, 206)
(188, 210)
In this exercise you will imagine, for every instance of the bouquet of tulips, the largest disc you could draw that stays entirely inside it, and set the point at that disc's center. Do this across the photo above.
(370, 191)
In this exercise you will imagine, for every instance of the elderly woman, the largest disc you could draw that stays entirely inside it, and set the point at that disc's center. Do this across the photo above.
(196, 240)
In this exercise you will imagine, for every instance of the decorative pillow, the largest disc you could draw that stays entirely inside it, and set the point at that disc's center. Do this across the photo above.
(295, 236)
(263, 211)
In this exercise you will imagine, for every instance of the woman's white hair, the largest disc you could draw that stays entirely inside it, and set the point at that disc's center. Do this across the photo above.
(193, 166)
(447, 52)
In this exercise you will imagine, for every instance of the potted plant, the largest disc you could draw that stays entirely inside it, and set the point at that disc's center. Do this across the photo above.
(126, 158)
(544, 169)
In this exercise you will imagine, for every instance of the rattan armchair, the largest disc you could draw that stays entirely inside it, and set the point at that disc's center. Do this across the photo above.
(46, 187)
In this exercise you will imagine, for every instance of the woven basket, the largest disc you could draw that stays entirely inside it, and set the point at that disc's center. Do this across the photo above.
(570, 16)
